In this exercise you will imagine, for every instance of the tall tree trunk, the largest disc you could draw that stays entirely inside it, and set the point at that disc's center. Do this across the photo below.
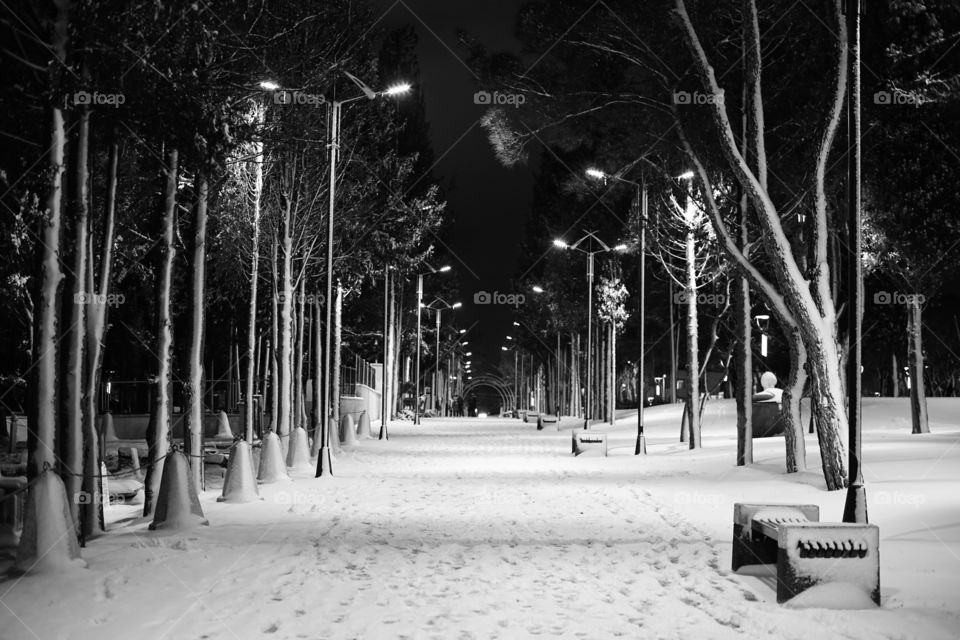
(317, 418)
(895, 375)
(337, 342)
(613, 373)
(693, 346)
(252, 308)
(91, 513)
(158, 429)
(918, 393)
(194, 386)
(42, 418)
(275, 336)
(743, 358)
(389, 363)
(796, 453)
(286, 333)
(807, 296)
(673, 348)
(298, 388)
(71, 436)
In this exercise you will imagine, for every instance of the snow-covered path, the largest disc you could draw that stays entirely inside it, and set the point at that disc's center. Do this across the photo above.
(455, 529)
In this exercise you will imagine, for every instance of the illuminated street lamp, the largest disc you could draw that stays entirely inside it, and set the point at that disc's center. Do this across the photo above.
(438, 305)
(641, 204)
(416, 401)
(324, 461)
(589, 236)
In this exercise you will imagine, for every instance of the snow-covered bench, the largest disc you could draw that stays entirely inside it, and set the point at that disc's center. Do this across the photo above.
(806, 551)
(582, 438)
(545, 419)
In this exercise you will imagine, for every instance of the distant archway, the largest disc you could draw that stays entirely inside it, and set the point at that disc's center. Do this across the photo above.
(504, 390)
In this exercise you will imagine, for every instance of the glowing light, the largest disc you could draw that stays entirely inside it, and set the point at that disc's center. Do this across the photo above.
(398, 89)
(596, 173)
(559, 243)
(269, 85)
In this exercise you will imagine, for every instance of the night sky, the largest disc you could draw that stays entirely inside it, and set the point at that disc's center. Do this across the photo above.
(487, 202)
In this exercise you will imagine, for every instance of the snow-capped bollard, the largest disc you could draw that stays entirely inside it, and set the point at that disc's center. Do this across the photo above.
(178, 505)
(363, 425)
(48, 542)
(272, 467)
(223, 427)
(298, 454)
(333, 434)
(107, 429)
(348, 434)
(239, 485)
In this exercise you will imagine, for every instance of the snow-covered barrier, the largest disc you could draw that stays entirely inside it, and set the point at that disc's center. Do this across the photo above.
(807, 552)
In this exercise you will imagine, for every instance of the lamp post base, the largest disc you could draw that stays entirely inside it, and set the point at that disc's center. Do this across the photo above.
(855, 507)
(324, 463)
(383, 431)
(641, 448)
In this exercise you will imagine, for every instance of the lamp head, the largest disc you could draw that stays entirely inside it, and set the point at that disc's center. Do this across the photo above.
(444, 268)
(596, 173)
(537, 288)
(269, 85)
(621, 247)
(686, 175)
(398, 89)
(456, 305)
(557, 242)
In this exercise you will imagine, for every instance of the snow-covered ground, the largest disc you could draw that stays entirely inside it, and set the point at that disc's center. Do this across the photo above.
(470, 528)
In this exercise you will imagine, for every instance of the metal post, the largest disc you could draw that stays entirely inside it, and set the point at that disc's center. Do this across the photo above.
(436, 374)
(586, 420)
(416, 390)
(641, 447)
(324, 460)
(855, 507)
(384, 400)
(516, 387)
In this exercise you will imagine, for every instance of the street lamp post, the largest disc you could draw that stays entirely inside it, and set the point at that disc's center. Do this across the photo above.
(416, 392)
(438, 305)
(855, 506)
(641, 203)
(324, 460)
(588, 236)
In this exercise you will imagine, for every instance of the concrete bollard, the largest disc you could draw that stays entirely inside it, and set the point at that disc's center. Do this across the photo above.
(348, 433)
(223, 427)
(239, 485)
(48, 543)
(272, 467)
(106, 428)
(363, 425)
(178, 504)
(298, 454)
